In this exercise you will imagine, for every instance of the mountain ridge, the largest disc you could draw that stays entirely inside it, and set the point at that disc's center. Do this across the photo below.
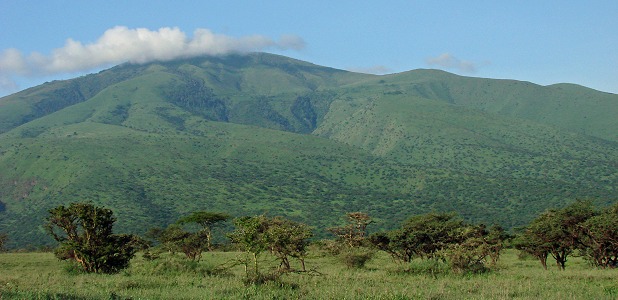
(263, 133)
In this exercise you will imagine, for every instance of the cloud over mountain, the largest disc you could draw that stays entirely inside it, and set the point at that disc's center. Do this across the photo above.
(448, 61)
(140, 45)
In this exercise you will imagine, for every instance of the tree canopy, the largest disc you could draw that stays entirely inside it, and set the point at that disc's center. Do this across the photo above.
(85, 234)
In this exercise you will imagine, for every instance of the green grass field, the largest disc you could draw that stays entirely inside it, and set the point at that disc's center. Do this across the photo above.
(42, 276)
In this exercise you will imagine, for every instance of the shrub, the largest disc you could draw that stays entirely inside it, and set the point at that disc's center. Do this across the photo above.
(356, 257)
(463, 258)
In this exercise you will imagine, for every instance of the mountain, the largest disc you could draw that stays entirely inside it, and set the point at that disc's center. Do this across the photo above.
(261, 133)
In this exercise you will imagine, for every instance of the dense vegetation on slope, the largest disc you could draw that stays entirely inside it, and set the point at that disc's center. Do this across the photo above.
(260, 133)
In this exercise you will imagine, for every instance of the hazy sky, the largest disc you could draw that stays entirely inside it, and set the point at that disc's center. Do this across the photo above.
(544, 42)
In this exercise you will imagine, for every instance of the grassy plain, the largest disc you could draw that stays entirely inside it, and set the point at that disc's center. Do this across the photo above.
(42, 276)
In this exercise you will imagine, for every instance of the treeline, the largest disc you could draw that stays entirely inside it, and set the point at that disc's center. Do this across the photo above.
(85, 236)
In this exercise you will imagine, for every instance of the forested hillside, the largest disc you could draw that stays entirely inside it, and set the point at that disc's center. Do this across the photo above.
(260, 133)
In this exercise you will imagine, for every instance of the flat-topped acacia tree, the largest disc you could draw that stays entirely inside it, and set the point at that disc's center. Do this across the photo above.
(206, 220)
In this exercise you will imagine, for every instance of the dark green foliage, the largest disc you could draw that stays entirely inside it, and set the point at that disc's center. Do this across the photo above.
(176, 121)
(469, 255)
(556, 232)
(3, 238)
(282, 237)
(250, 235)
(356, 257)
(495, 151)
(175, 239)
(496, 238)
(287, 238)
(263, 109)
(206, 220)
(599, 242)
(303, 111)
(85, 234)
(56, 100)
(118, 115)
(194, 96)
(422, 236)
(443, 236)
(395, 244)
(532, 240)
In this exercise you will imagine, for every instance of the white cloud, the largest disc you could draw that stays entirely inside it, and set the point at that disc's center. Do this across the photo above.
(11, 60)
(448, 61)
(7, 84)
(291, 42)
(140, 45)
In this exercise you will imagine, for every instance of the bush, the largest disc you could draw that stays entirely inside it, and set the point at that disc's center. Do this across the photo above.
(72, 268)
(356, 257)
(331, 247)
(253, 278)
(467, 257)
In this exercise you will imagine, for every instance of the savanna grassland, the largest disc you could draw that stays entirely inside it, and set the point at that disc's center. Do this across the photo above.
(42, 276)
(261, 134)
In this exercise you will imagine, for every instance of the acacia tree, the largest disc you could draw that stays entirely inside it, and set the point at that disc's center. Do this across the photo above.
(600, 240)
(474, 245)
(282, 237)
(206, 220)
(532, 241)
(444, 236)
(556, 232)
(85, 234)
(495, 239)
(250, 235)
(287, 238)
(395, 243)
(353, 234)
(421, 236)
(175, 239)
(352, 240)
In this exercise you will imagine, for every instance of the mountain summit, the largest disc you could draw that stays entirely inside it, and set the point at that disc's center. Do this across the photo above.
(262, 133)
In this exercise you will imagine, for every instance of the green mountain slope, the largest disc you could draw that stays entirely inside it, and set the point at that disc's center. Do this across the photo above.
(567, 106)
(261, 133)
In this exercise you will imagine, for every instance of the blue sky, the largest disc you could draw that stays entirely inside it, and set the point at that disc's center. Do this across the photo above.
(544, 42)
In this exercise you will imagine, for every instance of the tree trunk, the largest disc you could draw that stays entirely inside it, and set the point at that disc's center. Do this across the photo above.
(543, 259)
(285, 264)
(561, 258)
(255, 262)
(561, 264)
(209, 239)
